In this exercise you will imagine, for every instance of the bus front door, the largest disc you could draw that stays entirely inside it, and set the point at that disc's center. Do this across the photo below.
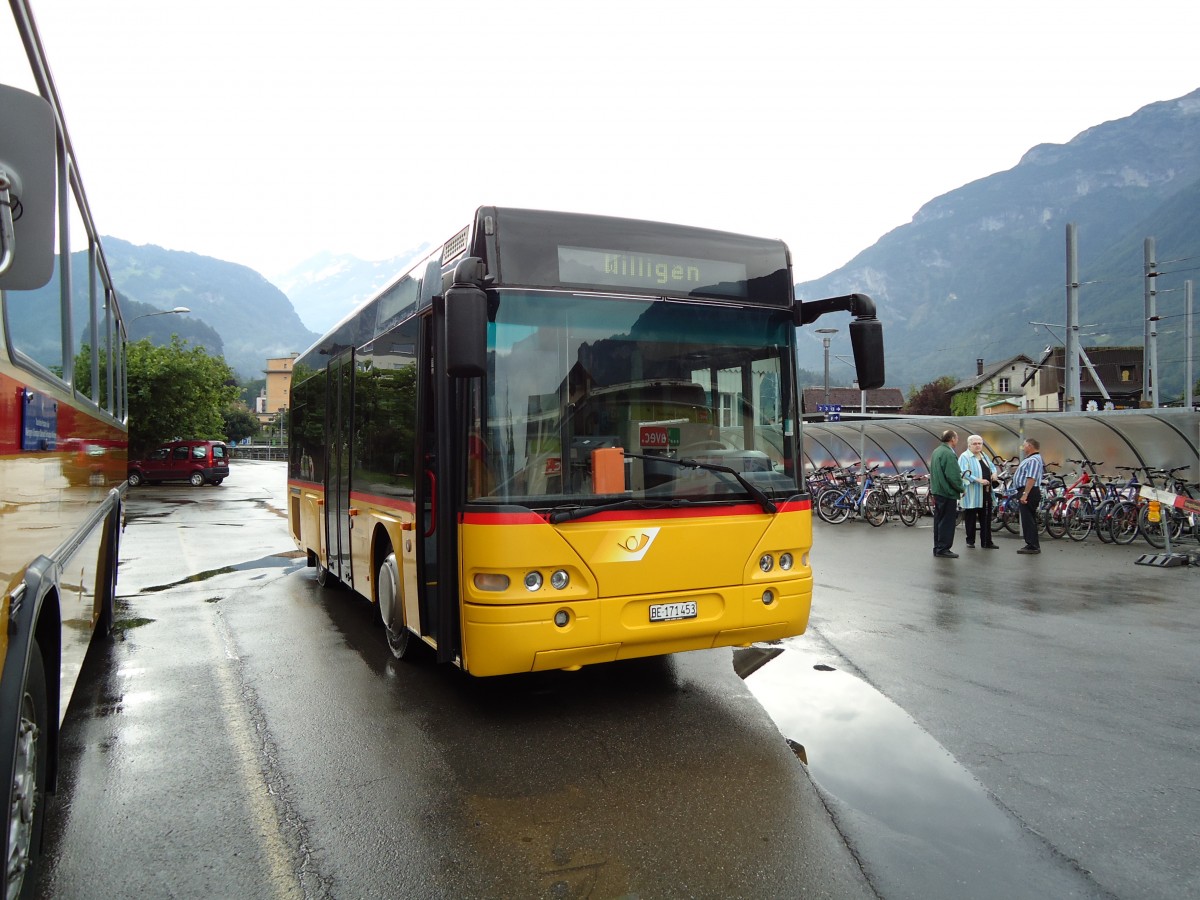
(337, 485)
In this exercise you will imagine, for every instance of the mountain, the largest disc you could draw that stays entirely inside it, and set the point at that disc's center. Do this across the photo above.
(326, 287)
(976, 266)
(253, 318)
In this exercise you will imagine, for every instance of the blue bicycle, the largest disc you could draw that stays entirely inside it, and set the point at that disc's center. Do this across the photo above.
(837, 504)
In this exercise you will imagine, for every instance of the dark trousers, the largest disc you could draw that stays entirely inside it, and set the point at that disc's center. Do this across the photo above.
(1029, 519)
(982, 516)
(945, 511)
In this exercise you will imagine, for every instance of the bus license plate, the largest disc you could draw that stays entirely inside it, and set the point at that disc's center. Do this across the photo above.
(665, 612)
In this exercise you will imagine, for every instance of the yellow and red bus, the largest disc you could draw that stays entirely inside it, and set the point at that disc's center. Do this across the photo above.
(63, 435)
(565, 439)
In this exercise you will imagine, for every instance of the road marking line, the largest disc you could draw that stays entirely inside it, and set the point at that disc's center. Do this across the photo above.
(241, 729)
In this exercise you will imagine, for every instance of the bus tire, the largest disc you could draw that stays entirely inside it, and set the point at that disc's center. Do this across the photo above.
(391, 610)
(325, 578)
(27, 780)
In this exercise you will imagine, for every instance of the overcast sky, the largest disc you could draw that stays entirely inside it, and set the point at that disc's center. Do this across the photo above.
(263, 133)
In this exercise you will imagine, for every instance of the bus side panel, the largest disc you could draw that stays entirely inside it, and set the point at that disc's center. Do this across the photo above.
(306, 519)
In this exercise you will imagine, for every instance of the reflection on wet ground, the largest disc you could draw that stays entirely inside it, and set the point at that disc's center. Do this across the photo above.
(921, 825)
(274, 561)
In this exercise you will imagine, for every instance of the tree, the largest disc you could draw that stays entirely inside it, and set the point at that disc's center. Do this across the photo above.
(175, 391)
(240, 423)
(932, 399)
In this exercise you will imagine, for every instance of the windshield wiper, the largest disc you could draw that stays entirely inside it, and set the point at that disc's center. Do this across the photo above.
(763, 500)
(580, 512)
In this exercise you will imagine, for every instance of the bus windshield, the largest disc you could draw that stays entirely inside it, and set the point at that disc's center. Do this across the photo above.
(663, 382)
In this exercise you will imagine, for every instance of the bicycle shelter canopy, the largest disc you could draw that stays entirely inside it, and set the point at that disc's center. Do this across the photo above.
(1157, 438)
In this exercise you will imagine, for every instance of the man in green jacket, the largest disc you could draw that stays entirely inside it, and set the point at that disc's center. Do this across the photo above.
(946, 485)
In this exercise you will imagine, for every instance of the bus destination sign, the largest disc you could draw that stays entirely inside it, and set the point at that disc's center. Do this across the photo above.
(650, 271)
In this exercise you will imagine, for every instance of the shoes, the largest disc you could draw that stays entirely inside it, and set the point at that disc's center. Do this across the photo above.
(990, 546)
(969, 544)
(1029, 550)
(946, 554)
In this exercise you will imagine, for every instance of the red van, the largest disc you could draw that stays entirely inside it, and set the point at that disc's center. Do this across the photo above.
(198, 462)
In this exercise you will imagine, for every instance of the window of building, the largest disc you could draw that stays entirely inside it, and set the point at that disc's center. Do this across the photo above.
(1003, 385)
(1127, 373)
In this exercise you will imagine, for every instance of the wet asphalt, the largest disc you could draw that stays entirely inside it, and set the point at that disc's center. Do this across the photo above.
(995, 725)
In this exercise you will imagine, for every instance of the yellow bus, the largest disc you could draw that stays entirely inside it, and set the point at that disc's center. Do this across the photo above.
(63, 436)
(565, 439)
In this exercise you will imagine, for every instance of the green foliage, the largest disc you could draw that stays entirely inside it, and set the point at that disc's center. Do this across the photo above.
(175, 391)
(931, 399)
(240, 423)
(250, 390)
(963, 403)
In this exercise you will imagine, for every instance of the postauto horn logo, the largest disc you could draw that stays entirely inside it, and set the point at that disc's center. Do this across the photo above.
(627, 546)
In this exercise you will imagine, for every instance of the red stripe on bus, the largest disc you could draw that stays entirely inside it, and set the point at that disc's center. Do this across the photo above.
(626, 515)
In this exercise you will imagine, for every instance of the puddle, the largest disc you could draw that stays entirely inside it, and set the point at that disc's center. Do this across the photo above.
(278, 560)
(921, 825)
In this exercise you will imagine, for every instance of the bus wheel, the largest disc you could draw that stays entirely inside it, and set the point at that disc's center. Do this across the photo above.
(399, 638)
(324, 577)
(27, 782)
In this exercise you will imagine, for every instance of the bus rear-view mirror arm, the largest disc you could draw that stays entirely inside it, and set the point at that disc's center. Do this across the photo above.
(866, 333)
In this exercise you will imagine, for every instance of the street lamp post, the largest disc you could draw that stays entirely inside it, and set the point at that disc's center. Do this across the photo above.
(826, 332)
(162, 312)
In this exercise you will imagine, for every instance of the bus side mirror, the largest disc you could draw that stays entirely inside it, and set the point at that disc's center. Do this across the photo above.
(866, 339)
(27, 178)
(466, 331)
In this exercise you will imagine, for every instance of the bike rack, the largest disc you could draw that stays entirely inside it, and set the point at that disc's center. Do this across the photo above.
(1168, 560)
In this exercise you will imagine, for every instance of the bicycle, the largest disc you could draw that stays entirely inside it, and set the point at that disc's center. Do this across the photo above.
(893, 495)
(1072, 512)
(1006, 510)
(1131, 517)
(1111, 500)
(835, 504)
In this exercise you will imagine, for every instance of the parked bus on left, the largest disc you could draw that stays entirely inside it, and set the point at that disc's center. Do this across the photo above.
(63, 437)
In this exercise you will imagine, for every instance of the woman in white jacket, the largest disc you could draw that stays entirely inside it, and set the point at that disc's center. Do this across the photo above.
(978, 481)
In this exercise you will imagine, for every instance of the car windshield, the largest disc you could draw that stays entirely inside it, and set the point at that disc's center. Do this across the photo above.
(649, 384)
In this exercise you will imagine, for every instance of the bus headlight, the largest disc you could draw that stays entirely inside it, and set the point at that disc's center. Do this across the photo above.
(533, 581)
(766, 562)
(786, 561)
(560, 579)
(768, 597)
(562, 618)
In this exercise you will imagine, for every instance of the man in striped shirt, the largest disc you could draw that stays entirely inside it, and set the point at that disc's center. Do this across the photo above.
(1028, 477)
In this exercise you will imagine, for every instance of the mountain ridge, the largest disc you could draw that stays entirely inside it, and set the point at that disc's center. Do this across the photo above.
(976, 265)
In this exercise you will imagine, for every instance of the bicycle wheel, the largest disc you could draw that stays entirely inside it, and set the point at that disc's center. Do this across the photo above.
(1155, 533)
(875, 507)
(1080, 518)
(1123, 524)
(1102, 521)
(833, 507)
(1055, 517)
(1010, 516)
(908, 507)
